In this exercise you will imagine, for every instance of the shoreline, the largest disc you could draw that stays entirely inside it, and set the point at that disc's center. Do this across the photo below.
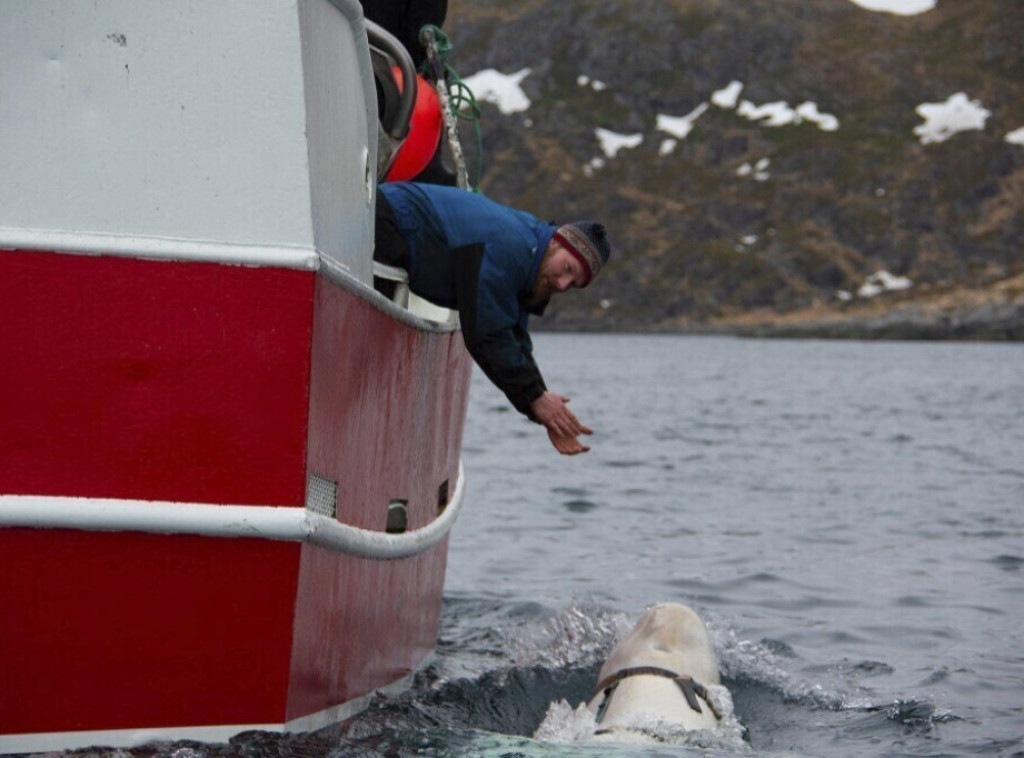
(988, 313)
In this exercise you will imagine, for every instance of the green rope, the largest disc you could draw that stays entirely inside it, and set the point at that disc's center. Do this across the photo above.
(463, 102)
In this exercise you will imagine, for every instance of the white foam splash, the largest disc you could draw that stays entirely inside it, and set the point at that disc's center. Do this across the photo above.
(1016, 137)
(574, 637)
(567, 725)
(563, 723)
(747, 660)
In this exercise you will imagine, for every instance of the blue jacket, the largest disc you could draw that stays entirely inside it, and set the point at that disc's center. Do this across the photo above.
(471, 254)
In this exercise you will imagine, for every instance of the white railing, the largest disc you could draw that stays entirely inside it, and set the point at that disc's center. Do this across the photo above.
(239, 521)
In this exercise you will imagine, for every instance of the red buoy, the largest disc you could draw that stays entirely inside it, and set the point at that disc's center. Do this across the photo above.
(424, 132)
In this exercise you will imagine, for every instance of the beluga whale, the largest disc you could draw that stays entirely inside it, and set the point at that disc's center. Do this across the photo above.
(661, 683)
(660, 673)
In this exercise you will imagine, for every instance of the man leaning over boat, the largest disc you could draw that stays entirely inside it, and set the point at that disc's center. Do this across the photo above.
(496, 266)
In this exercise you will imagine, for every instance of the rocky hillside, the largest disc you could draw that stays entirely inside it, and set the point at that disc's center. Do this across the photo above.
(759, 162)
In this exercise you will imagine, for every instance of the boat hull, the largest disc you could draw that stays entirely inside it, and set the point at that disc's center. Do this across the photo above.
(228, 466)
(191, 386)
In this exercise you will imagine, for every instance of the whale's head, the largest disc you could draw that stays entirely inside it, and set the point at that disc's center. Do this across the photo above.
(669, 636)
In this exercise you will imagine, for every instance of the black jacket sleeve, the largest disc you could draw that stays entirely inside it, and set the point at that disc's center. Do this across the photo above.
(505, 355)
(502, 358)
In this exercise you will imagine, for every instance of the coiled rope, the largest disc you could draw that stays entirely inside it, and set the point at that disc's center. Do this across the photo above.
(457, 101)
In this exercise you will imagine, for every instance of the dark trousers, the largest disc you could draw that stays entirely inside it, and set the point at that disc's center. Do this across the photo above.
(389, 246)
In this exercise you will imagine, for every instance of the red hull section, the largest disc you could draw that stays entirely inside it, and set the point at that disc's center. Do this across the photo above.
(361, 625)
(208, 383)
(115, 629)
(159, 381)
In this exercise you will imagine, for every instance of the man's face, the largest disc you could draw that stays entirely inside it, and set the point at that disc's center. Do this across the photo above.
(559, 270)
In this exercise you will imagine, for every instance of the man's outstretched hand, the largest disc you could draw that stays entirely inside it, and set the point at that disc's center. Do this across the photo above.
(562, 425)
(567, 445)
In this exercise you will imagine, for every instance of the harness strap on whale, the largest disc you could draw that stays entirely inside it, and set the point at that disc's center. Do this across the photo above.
(691, 689)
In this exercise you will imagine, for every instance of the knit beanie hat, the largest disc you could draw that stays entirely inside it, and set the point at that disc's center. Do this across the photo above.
(588, 241)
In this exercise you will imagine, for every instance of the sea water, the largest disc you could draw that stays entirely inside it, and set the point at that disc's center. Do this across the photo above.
(847, 517)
